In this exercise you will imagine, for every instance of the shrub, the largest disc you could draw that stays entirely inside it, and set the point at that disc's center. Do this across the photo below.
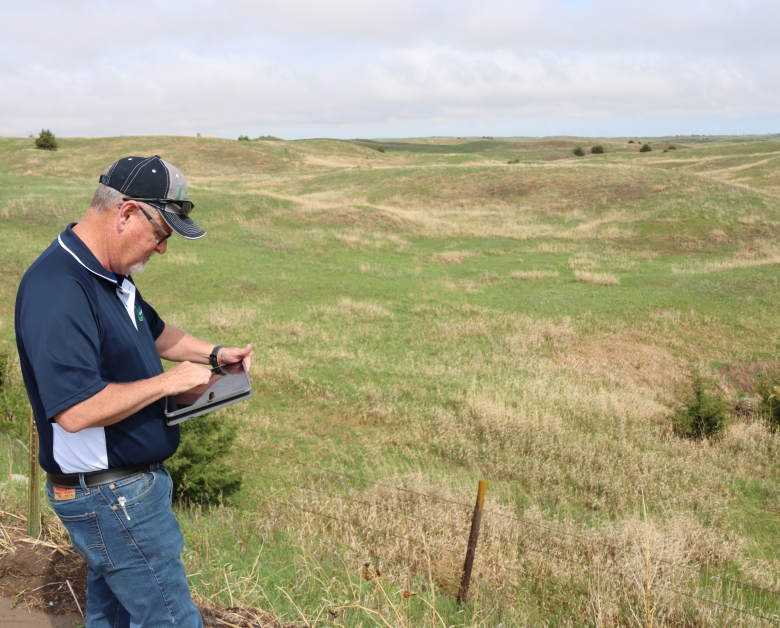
(46, 140)
(513, 161)
(243, 138)
(598, 149)
(579, 151)
(381, 149)
(14, 404)
(702, 415)
(645, 148)
(630, 141)
(769, 390)
(672, 148)
(199, 469)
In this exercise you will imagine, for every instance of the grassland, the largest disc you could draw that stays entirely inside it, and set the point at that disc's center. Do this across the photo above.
(430, 315)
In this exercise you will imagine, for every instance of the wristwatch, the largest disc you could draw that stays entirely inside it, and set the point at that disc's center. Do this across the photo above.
(213, 357)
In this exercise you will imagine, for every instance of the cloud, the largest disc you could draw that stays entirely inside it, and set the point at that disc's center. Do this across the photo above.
(348, 66)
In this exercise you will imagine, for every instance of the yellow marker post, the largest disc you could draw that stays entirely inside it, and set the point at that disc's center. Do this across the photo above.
(476, 519)
(33, 484)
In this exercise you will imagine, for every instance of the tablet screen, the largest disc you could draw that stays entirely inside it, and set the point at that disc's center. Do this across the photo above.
(225, 382)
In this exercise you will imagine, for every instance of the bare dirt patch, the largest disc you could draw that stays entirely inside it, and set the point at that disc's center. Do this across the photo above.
(38, 573)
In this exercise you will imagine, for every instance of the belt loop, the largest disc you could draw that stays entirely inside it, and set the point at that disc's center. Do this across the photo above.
(83, 484)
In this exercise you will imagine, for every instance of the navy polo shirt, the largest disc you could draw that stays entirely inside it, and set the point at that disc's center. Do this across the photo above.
(79, 328)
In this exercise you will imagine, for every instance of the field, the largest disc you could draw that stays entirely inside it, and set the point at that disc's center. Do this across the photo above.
(431, 315)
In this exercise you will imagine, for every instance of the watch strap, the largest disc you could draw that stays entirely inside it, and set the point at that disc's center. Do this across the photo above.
(213, 357)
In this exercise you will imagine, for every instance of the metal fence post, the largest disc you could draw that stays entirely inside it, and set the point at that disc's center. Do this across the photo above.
(476, 519)
(33, 483)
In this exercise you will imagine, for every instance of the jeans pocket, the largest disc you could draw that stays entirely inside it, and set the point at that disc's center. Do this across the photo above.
(135, 488)
(87, 540)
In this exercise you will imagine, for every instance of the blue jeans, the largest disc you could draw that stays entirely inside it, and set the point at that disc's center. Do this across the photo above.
(136, 578)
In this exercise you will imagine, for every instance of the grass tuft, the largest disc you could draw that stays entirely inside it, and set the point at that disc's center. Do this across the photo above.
(601, 279)
(534, 274)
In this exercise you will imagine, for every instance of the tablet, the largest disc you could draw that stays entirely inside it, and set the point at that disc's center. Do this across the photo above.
(228, 384)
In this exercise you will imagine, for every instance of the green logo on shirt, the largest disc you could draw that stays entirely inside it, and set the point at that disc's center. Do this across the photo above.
(139, 313)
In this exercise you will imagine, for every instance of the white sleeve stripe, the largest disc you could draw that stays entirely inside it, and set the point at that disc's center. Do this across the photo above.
(80, 452)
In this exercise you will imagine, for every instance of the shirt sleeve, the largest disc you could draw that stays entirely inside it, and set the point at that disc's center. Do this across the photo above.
(156, 324)
(62, 340)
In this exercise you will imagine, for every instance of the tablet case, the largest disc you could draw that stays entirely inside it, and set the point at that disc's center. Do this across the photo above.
(174, 417)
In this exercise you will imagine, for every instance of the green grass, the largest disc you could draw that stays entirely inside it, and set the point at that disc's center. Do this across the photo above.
(393, 343)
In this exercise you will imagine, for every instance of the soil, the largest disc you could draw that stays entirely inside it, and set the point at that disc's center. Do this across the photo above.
(38, 573)
(14, 614)
(34, 592)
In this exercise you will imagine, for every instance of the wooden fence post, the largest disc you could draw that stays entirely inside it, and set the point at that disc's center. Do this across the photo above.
(476, 519)
(33, 484)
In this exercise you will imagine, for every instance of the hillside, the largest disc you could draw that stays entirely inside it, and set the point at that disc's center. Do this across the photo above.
(433, 314)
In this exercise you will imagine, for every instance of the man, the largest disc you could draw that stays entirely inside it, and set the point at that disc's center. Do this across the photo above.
(90, 350)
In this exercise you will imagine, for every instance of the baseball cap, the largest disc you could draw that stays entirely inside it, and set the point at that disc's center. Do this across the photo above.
(158, 183)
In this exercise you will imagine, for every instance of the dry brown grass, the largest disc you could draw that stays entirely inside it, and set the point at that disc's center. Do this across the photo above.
(226, 317)
(451, 257)
(470, 286)
(601, 279)
(744, 260)
(583, 261)
(350, 308)
(391, 536)
(181, 258)
(368, 240)
(534, 274)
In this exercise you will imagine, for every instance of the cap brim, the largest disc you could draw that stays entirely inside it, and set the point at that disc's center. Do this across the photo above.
(183, 225)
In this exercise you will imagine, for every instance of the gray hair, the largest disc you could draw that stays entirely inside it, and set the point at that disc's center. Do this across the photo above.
(105, 198)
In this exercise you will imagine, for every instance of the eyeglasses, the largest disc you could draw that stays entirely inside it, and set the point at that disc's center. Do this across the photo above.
(185, 207)
(165, 235)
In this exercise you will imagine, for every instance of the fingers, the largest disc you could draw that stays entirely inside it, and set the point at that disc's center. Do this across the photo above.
(231, 355)
(186, 376)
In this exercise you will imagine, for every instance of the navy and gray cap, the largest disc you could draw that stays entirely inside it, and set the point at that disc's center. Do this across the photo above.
(158, 183)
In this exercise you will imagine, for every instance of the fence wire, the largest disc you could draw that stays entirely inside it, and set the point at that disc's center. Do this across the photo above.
(538, 549)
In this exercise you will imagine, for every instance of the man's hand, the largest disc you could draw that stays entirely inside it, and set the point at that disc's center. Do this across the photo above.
(185, 376)
(232, 355)
(177, 346)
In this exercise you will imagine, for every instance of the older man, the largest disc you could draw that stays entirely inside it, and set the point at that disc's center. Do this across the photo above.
(90, 349)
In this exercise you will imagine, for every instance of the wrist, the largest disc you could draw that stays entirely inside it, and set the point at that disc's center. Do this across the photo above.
(214, 356)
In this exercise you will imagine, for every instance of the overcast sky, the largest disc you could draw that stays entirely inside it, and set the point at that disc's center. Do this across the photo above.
(400, 68)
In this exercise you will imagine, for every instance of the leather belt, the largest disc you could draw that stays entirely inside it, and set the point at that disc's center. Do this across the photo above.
(71, 480)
